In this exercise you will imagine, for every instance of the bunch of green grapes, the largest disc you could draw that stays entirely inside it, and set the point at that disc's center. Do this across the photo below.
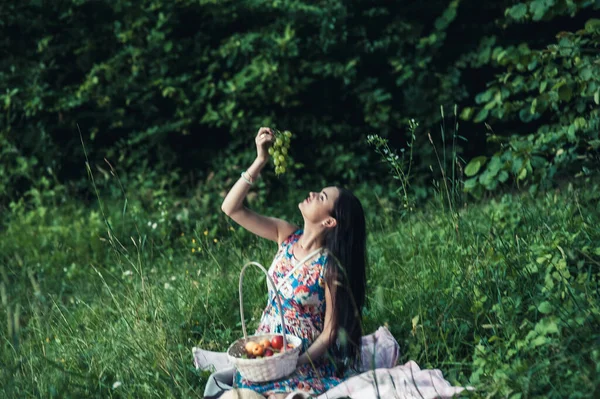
(279, 150)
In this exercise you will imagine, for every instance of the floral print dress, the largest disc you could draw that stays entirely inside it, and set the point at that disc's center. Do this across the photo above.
(302, 290)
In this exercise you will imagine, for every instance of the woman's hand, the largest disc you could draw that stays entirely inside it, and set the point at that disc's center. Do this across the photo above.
(264, 139)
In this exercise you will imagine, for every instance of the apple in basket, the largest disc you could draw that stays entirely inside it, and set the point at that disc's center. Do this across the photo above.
(277, 342)
(265, 347)
(254, 349)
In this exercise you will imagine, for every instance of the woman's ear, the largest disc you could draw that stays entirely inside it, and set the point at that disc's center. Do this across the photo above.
(330, 223)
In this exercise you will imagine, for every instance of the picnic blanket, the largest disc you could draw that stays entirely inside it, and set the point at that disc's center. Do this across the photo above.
(407, 381)
(379, 376)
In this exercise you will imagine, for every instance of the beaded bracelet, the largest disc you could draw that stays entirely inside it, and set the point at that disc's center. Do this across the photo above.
(246, 179)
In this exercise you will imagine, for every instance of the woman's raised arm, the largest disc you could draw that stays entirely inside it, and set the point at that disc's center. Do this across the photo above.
(271, 228)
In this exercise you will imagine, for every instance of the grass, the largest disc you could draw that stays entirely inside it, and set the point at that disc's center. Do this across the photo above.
(502, 295)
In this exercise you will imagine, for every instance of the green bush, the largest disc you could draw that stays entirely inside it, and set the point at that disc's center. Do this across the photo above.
(554, 93)
(167, 86)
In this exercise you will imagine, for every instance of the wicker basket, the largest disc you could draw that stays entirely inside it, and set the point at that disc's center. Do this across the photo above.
(266, 368)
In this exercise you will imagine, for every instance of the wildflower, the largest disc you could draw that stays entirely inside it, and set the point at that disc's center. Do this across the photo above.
(168, 286)
(153, 225)
(193, 250)
(205, 232)
(231, 228)
(47, 339)
(62, 360)
(116, 384)
(173, 278)
(216, 241)
(193, 240)
(182, 234)
(199, 249)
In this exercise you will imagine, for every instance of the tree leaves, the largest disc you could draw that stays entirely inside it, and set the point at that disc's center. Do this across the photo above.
(517, 12)
(540, 8)
(545, 307)
(562, 78)
(191, 69)
(481, 115)
(592, 25)
(565, 92)
(474, 165)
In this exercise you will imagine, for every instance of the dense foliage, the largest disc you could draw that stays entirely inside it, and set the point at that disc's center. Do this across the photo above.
(160, 85)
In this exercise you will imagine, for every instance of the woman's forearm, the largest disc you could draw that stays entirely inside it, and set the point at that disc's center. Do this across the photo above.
(235, 197)
(316, 349)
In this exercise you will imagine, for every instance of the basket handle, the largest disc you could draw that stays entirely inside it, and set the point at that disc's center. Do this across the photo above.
(277, 297)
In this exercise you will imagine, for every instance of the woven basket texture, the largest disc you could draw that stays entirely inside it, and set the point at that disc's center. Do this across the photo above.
(266, 368)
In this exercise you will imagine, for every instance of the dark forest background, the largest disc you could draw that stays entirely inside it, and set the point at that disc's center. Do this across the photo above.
(183, 86)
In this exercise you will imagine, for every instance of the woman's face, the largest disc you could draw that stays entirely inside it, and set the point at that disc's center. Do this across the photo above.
(318, 206)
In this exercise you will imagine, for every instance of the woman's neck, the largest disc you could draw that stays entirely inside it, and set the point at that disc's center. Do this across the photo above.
(311, 239)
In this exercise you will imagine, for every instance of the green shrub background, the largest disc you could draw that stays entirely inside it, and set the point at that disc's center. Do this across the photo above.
(469, 130)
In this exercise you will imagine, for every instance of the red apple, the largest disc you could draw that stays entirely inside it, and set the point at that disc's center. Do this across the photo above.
(277, 342)
(268, 352)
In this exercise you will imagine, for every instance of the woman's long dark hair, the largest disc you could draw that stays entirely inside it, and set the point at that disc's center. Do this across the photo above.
(346, 273)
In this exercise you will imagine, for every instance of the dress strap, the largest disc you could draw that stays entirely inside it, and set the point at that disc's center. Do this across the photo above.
(296, 266)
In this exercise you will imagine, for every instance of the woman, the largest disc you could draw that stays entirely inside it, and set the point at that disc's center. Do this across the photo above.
(323, 296)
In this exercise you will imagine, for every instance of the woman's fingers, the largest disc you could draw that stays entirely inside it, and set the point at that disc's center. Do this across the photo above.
(263, 131)
(265, 135)
(264, 140)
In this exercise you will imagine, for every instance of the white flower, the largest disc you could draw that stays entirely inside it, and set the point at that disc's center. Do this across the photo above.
(127, 273)
(153, 226)
(168, 286)
(116, 384)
